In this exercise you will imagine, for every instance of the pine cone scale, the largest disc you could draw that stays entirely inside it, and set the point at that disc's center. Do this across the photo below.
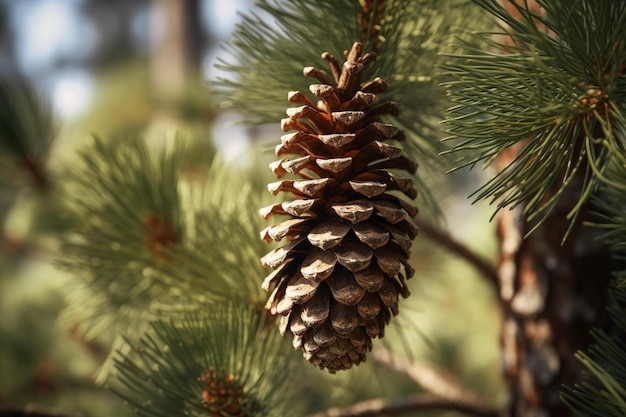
(317, 309)
(354, 212)
(328, 234)
(301, 289)
(369, 306)
(353, 255)
(318, 265)
(325, 337)
(344, 288)
(370, 278)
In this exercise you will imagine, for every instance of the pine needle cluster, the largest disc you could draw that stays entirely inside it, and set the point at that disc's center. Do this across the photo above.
(544, 102)
(152, 233)
(552, 84)
(124, 207)
(161, 252)
(225, 362)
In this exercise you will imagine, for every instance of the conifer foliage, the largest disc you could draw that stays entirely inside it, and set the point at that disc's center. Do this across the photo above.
(550, 85)
(118, 242)
(160, 248)
(230, 366)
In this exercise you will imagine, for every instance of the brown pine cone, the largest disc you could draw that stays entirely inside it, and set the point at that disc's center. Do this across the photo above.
(337, 280)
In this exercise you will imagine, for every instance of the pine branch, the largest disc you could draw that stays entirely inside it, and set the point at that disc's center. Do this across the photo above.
(224, 361)
(152, 234)
(435, 381)
(396, 406)
(446, 240)
(558, 94)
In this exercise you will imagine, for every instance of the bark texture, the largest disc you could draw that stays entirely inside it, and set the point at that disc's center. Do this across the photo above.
(552, 294)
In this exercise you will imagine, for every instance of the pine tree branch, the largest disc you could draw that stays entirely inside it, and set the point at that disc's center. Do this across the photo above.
(220, 360)
(574, 71)
(446, 240)
(437, 382)
(396, 406)
(446, 393)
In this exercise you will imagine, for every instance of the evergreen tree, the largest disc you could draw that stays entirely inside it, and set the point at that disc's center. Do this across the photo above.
(158, 238)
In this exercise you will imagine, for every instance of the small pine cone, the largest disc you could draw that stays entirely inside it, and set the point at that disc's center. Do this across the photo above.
(337, 280)
(224, 397)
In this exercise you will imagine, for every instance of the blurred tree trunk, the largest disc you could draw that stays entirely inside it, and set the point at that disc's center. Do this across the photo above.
(179, 45)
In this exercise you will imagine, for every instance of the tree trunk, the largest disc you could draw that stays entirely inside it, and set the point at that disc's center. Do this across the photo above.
(552, 294)
(180, 45)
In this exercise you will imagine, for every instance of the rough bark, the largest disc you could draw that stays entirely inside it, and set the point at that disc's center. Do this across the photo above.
(552, 294)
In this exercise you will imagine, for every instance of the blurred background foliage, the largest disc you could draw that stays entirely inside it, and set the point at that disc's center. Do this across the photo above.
(141, 67)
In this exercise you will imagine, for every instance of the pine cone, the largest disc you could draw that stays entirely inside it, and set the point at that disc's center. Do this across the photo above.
(225, 397)
(337, 280)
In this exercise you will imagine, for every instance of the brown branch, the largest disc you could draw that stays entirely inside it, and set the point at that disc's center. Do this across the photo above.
(444, 238)
(446, 393)
(394, 406)
(37, 172)
(436, 381)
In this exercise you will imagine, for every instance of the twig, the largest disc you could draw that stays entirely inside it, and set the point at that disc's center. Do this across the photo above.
(446, 240)
(437, 382)
(445, 393)
(395, 406)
